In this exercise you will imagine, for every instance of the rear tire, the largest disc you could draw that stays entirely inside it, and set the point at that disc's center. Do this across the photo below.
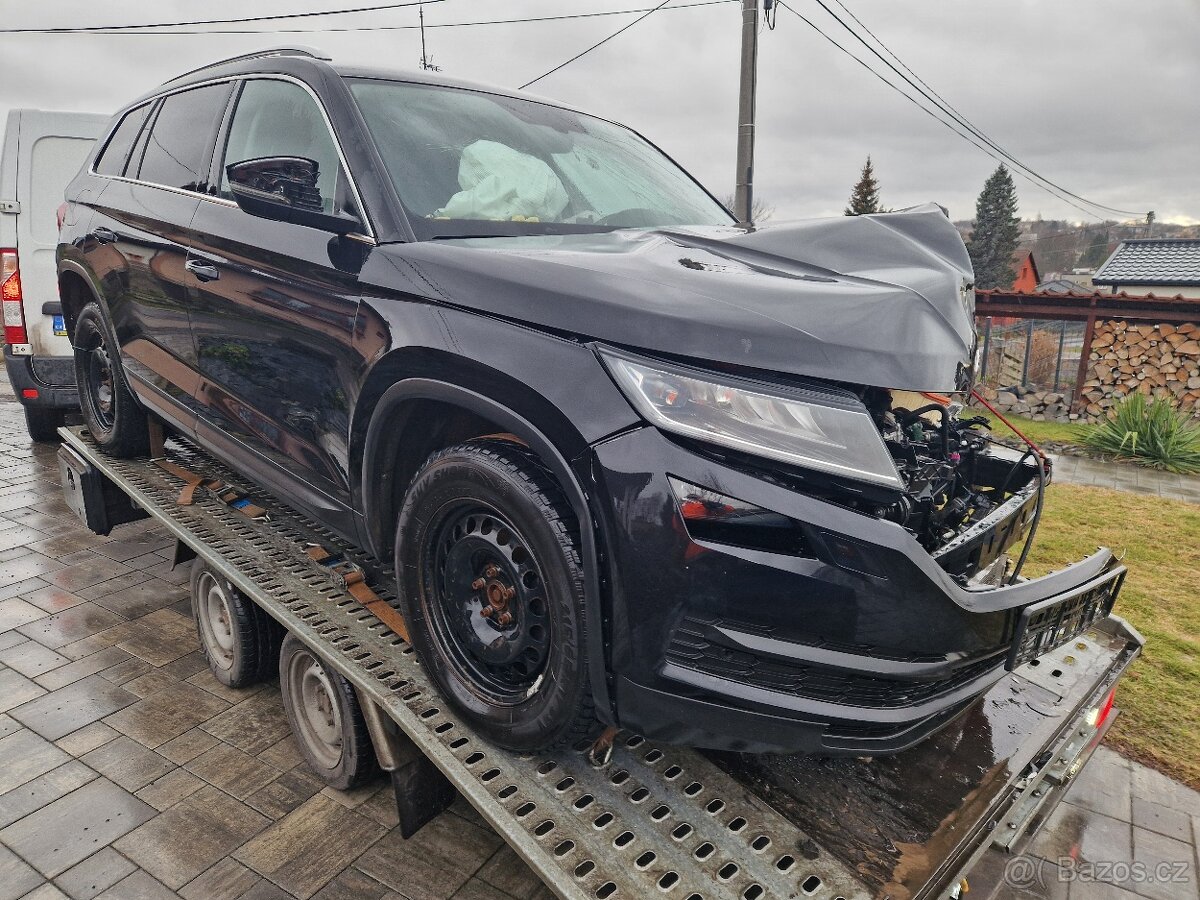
(238, 639)
(491, 582)
(110, 412)
(326, 721)
(43, 423)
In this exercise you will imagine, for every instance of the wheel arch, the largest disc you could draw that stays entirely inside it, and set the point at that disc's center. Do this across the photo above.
(76, 289)
(396, 432)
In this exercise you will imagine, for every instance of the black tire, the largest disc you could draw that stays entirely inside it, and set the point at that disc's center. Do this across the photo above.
(485, 524)
(238, 639)
(43, 423)
(110, 412)
(326, 721)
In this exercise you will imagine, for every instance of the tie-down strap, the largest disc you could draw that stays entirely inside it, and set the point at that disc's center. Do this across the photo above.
(352, 577)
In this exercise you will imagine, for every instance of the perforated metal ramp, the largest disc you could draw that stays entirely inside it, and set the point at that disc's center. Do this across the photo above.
(656, 821)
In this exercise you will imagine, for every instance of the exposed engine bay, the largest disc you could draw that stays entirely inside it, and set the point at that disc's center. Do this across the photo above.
(953, 480)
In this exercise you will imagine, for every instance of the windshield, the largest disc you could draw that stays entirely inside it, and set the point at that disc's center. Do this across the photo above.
(466, 163)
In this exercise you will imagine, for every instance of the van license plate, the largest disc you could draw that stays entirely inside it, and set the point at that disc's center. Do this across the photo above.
(60, 326)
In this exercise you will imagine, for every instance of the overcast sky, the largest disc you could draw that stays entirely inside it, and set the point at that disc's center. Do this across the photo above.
(1098, 95)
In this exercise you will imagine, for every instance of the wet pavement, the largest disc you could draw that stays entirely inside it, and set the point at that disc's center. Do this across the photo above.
(1118, 476)
(128, 771)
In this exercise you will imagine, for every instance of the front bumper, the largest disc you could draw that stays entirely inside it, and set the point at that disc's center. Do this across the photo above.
(821, 650)
(53, 377)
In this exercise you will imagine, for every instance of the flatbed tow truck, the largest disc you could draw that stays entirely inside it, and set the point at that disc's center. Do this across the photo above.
(634, 819)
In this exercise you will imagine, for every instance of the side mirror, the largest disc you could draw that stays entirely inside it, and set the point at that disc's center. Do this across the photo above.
(284, 189)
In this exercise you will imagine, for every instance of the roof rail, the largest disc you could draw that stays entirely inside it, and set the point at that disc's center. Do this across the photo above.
(310, 52)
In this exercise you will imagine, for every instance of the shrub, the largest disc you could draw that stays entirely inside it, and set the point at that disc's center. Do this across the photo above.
(1151, 433)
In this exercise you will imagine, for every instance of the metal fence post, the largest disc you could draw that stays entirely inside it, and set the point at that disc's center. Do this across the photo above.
(987, 348)
(1062, 338)
(1028, 349)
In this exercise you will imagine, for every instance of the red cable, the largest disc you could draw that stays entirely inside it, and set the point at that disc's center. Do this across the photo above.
(999, 415)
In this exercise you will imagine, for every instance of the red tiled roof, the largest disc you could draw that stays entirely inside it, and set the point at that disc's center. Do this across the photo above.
(1082, 295)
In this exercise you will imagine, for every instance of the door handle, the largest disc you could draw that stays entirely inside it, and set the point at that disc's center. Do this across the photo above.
(105, 235)
(202, 270)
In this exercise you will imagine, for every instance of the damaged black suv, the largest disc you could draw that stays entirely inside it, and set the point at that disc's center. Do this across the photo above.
(632, 462)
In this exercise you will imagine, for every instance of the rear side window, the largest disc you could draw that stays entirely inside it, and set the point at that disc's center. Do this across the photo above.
(112, 158)
(177, 149)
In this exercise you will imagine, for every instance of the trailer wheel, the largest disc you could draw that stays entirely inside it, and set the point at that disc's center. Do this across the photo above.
(325, 717)
(238, 639)
(114, 418)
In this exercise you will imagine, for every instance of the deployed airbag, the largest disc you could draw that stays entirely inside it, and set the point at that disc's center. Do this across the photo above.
(499, 183)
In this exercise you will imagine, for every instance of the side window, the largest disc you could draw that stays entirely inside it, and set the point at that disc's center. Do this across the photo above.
(279, 118)
(112, 158)
(176, 152)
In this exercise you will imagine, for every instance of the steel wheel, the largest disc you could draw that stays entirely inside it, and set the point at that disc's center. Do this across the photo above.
(318, 714)
(215, 618)
(100, 383)
(487, 601)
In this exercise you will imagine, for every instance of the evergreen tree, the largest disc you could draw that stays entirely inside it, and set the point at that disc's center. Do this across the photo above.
(864, 198)
(1097, 251)
(996, 232)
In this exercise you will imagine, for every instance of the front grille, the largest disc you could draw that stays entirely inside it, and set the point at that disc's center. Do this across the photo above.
(691, 647)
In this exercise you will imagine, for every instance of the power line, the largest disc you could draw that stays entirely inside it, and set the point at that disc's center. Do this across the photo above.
(620, 30)
(368, 28)
(272, 18)
(965, 136)
(931, 94)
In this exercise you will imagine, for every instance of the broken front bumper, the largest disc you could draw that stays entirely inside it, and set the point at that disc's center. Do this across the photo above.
(854, 641)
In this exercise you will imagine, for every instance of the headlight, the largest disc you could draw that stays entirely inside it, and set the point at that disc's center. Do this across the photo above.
(814, 429)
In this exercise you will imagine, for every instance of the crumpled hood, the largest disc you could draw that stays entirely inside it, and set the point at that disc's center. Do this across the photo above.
(880, 300)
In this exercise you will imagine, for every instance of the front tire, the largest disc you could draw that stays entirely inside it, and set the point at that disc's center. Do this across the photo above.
(43, 423)
(110, 412)
(491, 582)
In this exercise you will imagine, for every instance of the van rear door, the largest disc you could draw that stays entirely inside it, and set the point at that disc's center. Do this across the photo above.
(51, 148)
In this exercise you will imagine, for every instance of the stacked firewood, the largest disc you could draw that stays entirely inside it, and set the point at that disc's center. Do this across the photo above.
(1156, 360)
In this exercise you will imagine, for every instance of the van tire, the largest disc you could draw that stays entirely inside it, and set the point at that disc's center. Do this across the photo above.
(113, 417)
(43, 423)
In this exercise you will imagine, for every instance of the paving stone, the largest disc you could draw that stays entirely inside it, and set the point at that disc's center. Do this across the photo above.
(15, 612)
(8, 725)
(232, 770)
(82, 668)
(435, 862)
(1173, 823)
(1158, 788)
(29, 565)
(187, 666)
(136, 545)
(44, 789)
(68, 709)
(31, 659)
(17, 877)
(19, 535)
(82, 575)
(128, 763)
(150, 683)
(187, 746)
(307, 848)
(87, 738)
(95, 874)
(142, 599)
(1173, 863)
(11, 639)
(191, 836)
(1082, 835)
(65, 544)
(227, 880)
(24, 756)
(158, 647)
(164, 715)
(72, 828)
(16, 689)
(1104, 785)
(382, 808)
(168, 790)
(285, 793)
(283, 754)
(253, 725)
(53, 599)
(126, 671)
(510, 874)
(45, 892)
(138, 886)
(101, 640)
(352, 884)
(477, 889)
(112, 585)
(70, 625)
(264, 890)
(204, 679)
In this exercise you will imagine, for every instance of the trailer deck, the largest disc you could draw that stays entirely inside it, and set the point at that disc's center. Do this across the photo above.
(661, 820)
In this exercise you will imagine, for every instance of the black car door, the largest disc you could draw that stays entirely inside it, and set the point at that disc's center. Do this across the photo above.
(273, 314)
(138, 241)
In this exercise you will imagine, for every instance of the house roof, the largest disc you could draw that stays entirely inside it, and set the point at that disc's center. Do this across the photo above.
(1061, 286)
(1018, 259)
(1174, 262)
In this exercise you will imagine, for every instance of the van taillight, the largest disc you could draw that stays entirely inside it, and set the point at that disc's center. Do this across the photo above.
(10, 294)
(60, 214)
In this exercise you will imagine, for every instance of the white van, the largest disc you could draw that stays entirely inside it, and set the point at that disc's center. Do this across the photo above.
(42, 152)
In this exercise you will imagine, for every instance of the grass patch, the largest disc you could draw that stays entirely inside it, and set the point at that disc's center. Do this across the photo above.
(1160, 695)
(1038, 432)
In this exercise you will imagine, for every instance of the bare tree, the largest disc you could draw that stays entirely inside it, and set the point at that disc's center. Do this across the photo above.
(761, 211)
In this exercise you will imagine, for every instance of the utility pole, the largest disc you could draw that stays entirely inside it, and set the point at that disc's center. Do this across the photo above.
(426, 61)
(743, 197)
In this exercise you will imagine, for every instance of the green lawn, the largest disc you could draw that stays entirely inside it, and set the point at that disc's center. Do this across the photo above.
(1160, 540)
(1038, 432)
